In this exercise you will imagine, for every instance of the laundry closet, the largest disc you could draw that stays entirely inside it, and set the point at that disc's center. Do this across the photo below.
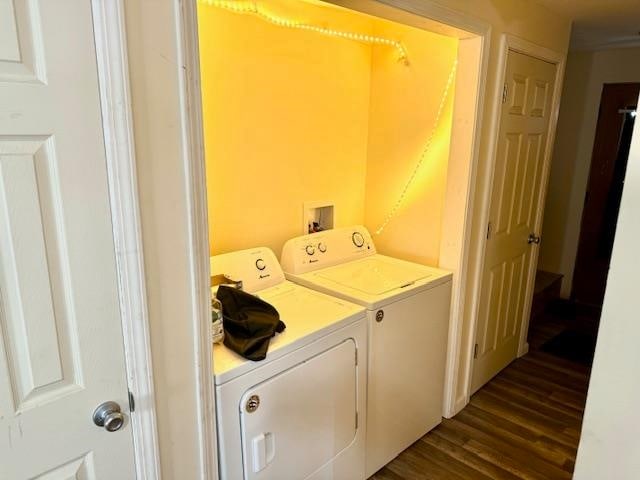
(327, 136)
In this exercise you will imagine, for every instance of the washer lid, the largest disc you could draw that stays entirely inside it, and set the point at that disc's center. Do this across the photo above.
(374, 275)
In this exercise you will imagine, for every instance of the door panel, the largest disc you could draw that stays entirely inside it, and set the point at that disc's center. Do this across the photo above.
(21, 48)
(508, 187)
(36, 317)
(61, 344)
(514, 202)
(531, 180)
(78, 469)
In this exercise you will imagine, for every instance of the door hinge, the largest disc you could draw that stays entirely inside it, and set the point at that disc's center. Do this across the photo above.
(489, 229)
(132, 402)
(475, 351)
(505, 92)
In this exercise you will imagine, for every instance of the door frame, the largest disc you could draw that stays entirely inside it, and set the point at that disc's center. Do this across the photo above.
(117, 122)
(198, 223)
(516, 44)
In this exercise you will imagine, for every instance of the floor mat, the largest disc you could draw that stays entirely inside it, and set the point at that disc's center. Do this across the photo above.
(572, 345)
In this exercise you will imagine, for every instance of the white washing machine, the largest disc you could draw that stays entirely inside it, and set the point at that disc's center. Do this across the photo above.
(408, 318)
(300, 413)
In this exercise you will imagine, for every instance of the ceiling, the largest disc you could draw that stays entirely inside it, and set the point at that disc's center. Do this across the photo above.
(600, 23)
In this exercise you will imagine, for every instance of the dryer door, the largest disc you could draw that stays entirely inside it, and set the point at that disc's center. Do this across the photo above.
(298, 421)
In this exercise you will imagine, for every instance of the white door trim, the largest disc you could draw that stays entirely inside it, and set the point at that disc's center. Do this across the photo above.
(198, 224)
(459, 297)
(510, 42)
(113, 79)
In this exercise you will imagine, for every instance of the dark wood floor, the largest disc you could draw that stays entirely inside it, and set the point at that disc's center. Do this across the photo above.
(524, 424)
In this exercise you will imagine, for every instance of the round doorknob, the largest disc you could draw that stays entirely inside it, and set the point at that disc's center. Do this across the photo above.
(109, 416)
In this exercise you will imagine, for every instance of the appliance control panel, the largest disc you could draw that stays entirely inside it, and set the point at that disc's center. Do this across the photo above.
(257, 268)
(324, 249)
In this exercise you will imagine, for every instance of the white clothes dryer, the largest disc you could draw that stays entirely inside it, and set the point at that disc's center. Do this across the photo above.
(408, 319)
(299, 413)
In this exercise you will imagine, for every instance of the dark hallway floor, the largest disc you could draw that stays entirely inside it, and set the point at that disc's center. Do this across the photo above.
(524, 424)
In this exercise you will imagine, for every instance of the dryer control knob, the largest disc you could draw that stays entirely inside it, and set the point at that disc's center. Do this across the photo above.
(260, 265)
(358, 239)
(310, 249)
(322, 247)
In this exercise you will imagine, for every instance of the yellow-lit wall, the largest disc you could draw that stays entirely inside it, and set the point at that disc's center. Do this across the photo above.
(293, 116)
(404, 105)
(285, 121)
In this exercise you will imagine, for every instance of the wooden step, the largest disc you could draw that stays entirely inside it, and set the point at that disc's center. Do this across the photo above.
(546, 289)
(545, 280)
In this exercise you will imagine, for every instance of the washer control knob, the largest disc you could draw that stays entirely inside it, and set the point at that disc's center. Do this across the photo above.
(310, 249)
(322, 247)
(358, 239)
(260, 265)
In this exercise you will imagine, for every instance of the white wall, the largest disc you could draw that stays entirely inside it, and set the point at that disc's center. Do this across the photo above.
(610, 442)
(586, 74)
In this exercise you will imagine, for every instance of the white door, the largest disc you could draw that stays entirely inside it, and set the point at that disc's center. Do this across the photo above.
(61, 344)
(515, 200)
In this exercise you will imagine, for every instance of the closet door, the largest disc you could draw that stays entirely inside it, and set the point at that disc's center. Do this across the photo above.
(512, 234)
(61, 343)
